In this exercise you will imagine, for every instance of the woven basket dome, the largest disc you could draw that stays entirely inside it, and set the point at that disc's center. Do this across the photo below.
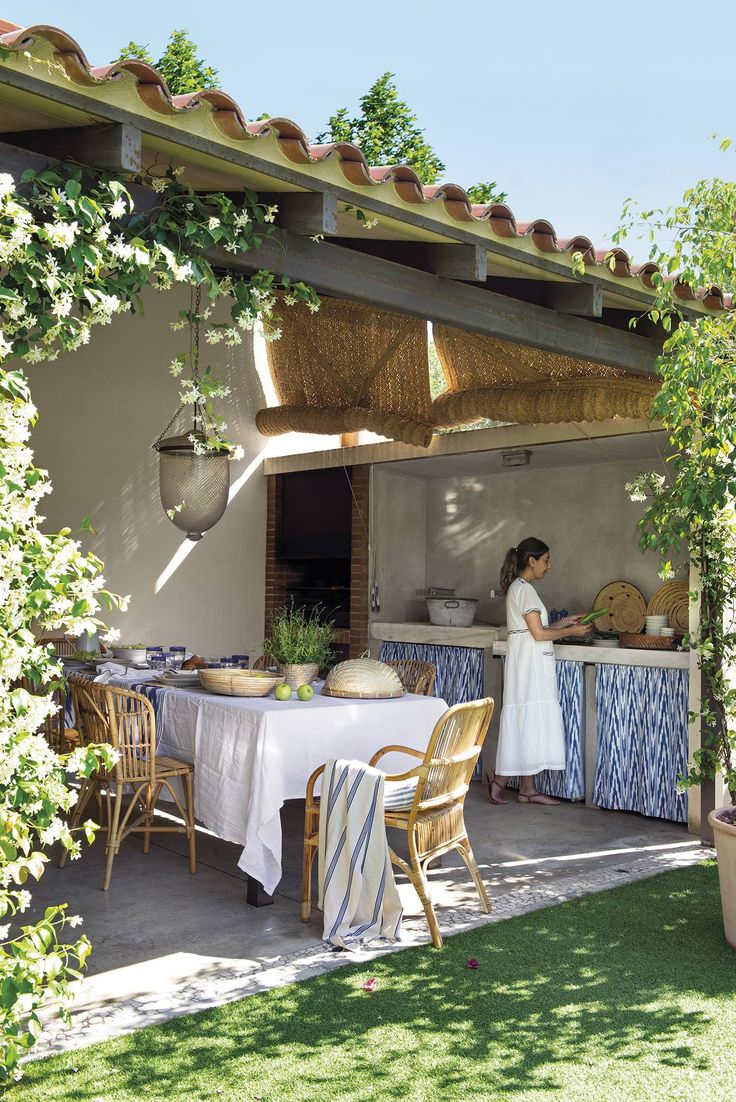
(363, 677)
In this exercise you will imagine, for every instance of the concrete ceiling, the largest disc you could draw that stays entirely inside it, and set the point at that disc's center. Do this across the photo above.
(646, 448)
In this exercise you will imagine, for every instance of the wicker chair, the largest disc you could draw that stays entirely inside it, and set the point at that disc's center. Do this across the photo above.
(125, 720)
(63, 648)
(261, 663)
(416, 676)
(432, 813)
(60, 738)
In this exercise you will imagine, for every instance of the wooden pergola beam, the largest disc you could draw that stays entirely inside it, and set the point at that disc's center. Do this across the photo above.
(468, 262)
(307, 212)
(334, 270)
(583, 299)
(112, 146)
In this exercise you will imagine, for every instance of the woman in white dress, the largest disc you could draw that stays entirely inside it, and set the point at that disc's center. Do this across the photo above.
(531, 737)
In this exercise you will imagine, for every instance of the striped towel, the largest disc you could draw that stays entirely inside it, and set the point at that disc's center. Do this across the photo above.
(357, 891)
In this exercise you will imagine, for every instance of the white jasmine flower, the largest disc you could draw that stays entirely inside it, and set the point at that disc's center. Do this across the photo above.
(75, 920)
(158, 183)
(111, 635)
(6, 346)
(7, 184)
(213, 223)
(175, 367)
(118, 208)
(4, 931)
(238, 452)
(231, 247)
(63, 305)
(61, 234)
(24, 900)
(178, 170)
(270, 213)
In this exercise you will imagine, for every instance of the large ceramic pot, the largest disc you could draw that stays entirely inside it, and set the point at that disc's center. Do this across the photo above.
(725, 839)
(294, 676)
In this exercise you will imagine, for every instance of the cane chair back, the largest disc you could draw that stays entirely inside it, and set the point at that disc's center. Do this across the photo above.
(125, 720)
(416, 676)
(261, 663)
(430, 807)
(59, 738)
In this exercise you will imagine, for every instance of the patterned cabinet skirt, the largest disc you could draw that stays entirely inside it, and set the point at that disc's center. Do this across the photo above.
(642, 740)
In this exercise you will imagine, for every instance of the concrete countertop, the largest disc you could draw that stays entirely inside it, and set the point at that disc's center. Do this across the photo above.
(615, 656)
(478, 635)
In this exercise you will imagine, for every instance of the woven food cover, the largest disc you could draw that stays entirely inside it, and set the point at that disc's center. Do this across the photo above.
(349, 367)
(673, 600)
(363, 678)
(489, 378)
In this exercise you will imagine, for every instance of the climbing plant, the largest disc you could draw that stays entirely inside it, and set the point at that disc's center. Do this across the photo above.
(76, 248)
(696, 405)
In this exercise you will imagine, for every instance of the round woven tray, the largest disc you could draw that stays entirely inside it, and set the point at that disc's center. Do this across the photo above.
(627, 609)
(647, 642)
(363, 679)
(673, 601)
(239, 682)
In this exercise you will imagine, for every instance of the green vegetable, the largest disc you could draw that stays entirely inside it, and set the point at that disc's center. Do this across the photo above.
(594, 615)
(87, 656)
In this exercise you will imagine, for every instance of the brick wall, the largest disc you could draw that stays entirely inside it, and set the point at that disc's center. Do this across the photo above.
(359, 563)
(280, 576)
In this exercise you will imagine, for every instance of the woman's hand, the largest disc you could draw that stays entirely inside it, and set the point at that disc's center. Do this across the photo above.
(570, 620)
(580, 629)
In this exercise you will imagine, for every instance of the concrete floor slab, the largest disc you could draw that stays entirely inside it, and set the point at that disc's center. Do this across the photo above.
(166, 942)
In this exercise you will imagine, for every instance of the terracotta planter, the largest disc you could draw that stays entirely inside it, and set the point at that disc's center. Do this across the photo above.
(725, 839)
(294, 676)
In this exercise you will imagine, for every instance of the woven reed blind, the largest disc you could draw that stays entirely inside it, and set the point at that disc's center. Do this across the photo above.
(350, 367)
(495, 379)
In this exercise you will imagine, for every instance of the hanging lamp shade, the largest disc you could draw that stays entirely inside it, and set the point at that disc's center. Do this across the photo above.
(194, 488)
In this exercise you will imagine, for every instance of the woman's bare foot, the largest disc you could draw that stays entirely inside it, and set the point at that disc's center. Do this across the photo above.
(495, 793)
(534, 797)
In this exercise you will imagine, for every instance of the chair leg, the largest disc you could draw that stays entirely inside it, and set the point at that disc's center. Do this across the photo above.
(418, 877)
(113, 842)
(191, 832)
(149, 817)
(465, 851)
(87, 787)
(308, 862)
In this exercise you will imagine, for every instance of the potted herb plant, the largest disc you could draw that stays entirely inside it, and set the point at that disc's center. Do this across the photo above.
(299, 643)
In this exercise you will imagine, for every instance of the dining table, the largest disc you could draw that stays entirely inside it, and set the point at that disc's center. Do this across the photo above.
(251, 754)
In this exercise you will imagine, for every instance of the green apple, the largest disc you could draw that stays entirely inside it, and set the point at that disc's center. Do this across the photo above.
(282, 692)
(305, 692)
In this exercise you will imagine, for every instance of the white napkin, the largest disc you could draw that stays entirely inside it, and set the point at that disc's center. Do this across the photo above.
(110, 671)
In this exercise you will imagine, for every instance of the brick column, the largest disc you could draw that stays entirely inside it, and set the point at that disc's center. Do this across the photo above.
(359, 562)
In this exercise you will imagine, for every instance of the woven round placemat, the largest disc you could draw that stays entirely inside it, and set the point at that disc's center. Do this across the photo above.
(627, 609)
(673, 601)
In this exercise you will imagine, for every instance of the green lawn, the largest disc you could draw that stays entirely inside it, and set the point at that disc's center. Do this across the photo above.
(625, 995)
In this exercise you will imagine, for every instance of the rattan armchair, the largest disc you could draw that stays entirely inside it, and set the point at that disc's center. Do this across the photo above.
(60, 738)
(126, 721)
(416, 676)
(431, 814)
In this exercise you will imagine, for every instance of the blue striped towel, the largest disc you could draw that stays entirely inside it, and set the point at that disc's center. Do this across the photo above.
(357, 890)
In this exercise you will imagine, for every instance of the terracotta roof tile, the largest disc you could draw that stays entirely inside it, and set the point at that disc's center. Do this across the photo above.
(294, 143)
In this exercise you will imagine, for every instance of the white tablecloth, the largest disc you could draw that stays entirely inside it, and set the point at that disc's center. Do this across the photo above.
(251, 755)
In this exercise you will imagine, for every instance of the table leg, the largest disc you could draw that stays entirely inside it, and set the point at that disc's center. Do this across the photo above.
(255, 896)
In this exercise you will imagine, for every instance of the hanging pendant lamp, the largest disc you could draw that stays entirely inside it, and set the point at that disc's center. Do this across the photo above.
(194, 481)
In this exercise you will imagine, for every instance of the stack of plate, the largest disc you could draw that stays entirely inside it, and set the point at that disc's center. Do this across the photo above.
(656, 625)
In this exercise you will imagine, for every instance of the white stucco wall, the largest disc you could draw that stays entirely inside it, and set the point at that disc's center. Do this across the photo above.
(583, 513)
(398, 540)
(100, 409)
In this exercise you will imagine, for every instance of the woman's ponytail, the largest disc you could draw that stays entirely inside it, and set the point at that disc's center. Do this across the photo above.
(510, 569)
(517, 559)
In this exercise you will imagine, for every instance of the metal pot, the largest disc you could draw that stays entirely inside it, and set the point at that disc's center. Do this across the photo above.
(454, 612)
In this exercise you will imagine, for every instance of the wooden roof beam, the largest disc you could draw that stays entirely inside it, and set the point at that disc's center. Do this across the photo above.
(306, 212)
(333, 269)
(115, 147)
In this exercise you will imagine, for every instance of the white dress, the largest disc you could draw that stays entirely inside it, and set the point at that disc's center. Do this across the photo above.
(532, 736)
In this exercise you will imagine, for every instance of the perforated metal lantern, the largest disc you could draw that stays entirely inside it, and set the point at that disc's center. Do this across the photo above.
(194, 488)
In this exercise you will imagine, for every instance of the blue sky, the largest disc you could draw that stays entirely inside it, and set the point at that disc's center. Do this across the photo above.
(570, 106)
